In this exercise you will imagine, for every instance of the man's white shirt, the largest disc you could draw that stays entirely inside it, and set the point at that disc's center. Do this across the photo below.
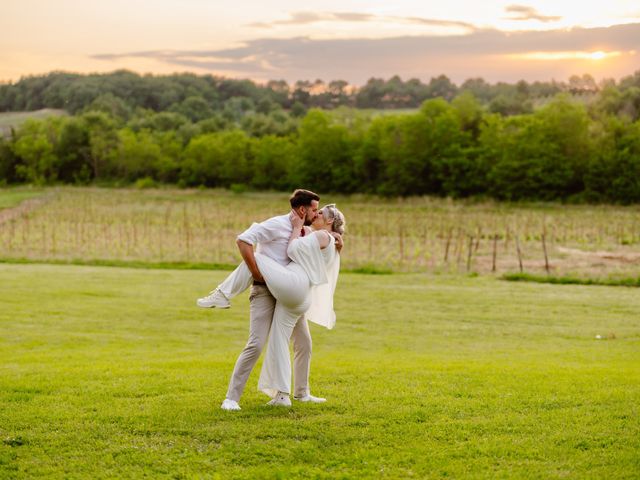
(271, 237)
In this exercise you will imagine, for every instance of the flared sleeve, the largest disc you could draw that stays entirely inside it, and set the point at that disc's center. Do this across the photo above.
(321, 309)
(305, 251)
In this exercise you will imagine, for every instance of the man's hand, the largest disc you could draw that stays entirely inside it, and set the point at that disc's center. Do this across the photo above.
(296, 222)
(339, 242)
(249, 258)
(258, 277)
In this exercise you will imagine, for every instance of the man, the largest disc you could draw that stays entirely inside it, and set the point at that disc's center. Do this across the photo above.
(271, 238)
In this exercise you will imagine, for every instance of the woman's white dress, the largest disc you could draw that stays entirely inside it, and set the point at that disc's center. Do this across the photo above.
(303, 287)
(306, 287)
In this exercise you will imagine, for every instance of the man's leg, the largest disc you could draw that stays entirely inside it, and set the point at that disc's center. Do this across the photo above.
(261, 308)
(301, 357)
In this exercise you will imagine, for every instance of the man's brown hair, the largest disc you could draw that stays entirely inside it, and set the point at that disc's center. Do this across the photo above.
(302, 198)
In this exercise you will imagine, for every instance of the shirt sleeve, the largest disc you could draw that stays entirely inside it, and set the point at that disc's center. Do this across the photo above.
(266, 231)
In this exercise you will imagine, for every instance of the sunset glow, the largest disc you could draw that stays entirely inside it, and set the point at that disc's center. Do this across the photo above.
(546, 56)
(333, 39)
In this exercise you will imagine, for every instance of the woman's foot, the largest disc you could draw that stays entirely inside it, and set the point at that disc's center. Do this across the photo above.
(280, 400)
(310, 398)
(215, 299)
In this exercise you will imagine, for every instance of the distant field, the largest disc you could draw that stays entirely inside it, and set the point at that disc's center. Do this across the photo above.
(416, 234)
(14, 196)
(15, 119)
(349, 116)
(114, 373)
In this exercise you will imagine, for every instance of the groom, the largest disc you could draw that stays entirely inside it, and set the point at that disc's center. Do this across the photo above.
(271, 238)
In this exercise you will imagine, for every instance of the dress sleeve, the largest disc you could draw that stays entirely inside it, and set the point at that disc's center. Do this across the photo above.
(305, 251)
(321, 309)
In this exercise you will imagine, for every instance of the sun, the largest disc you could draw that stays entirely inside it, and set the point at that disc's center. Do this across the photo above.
(599, 55)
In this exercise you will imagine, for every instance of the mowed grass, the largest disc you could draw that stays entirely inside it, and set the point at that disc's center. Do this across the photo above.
(113, 373)
(11, 197)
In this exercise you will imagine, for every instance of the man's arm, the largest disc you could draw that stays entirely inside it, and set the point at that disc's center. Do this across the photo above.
(246, 250)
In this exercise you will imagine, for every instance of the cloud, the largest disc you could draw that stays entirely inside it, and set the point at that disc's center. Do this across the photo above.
(524, 12)
(432, 22)
(307, 18)
(303, 18)
(492, 54)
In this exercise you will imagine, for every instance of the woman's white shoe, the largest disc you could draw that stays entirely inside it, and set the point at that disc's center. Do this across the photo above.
(310, 398)
(280, 400)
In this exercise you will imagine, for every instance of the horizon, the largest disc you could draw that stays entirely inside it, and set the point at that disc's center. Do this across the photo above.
(349, 40)
(325, 81)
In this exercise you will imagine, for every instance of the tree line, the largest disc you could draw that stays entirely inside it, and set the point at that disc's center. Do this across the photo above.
(565, 148)
(200, 96)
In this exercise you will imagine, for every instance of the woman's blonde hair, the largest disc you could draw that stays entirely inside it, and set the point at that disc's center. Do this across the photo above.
(331, 212)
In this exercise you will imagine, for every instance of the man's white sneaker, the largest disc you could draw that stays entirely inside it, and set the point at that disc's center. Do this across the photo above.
(215, 299)
(310, 398)
(280, 400)
(229, 405)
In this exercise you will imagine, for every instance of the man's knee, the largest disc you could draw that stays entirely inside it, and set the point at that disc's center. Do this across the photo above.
(253, 348)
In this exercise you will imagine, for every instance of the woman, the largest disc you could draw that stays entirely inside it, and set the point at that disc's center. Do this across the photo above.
(304, 286)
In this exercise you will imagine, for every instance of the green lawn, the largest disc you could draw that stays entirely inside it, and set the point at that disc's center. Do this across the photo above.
(12, 197)
(113, 373)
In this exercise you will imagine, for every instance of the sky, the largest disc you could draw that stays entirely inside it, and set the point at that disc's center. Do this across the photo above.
(349, 40)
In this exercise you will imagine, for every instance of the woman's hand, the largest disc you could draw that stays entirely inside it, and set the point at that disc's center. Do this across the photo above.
(339, 242)
(296, 222)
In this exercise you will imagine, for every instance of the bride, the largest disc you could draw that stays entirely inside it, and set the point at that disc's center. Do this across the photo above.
(305, 286)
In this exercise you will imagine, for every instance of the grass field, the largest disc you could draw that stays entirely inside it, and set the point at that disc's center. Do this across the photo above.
(13, 197)
(416, 234)
(113, 373)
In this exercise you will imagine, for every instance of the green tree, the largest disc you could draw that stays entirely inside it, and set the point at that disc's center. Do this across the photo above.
(324, 155)
(614, 171)
(8, 162)
(506, 104)
(469, 111)
(73, 150)
(114, 106)
(217, 159)
(273, 160)
(441, 86)
(103, 143)
(137, 156)
(540, 156)
(35, 146)
(420, 153)
(195, 108)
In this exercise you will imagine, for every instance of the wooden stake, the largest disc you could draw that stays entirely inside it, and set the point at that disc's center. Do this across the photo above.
(459, 248)
(478, 240)
(401, 243)
(446, 248)
(470, 253)
(495, 251)
(519, 253)
(546, 258)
